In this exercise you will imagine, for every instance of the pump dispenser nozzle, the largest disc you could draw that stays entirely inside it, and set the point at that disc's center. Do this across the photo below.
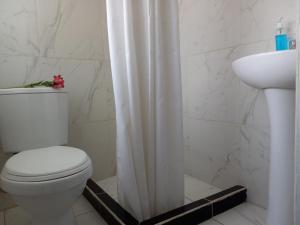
(281, 36)
(280, 25)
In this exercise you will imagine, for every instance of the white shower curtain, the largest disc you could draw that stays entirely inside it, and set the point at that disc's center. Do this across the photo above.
(145, 62)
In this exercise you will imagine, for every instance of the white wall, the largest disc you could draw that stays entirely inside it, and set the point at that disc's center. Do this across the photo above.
(297, 141)
(39, 38)
(226, 122)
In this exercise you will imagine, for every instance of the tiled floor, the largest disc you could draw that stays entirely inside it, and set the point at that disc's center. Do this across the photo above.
(194, 188)
(245, 214)
(83, 212)
(6, 202)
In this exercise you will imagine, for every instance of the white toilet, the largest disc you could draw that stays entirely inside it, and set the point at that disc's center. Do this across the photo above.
(44, 177)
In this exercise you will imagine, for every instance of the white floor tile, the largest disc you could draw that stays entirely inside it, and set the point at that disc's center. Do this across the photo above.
(1, 218)
(245, 214)
(253, 213)
(187, 200)
(196, 189)
(6, 202)
(82, 206)
(16, 216)
(91, 218)
(211, 222)
(110, 185)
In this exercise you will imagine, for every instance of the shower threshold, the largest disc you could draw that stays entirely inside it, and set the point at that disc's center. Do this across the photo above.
(202, 202)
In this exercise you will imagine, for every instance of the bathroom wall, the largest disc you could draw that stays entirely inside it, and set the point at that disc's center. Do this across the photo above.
(39, 38)
(226, 122)
(227, 128)
(297, 141)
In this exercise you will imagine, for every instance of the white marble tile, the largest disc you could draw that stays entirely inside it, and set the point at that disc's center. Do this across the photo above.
(232, 217)
(210, 222)
(187, 200)
(208, 25)
(297, 202)
(17, 216)
(88, 83)
(212, 152)
(98, 140)
(254, 133)
(196, 189)
(297, 145)
(210, 88)
(244, 214)
(72, 28)
(255, 47)
(3, 158)
(82, 206)
(253, 213)
(2, 218)
(18, 28)
(259, 18)
(6, 201)
(90, 218)
(110, 185)
(83, 211)
(255, 145)
(12, 75)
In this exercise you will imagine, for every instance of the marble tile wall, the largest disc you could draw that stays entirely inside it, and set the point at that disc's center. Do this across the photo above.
(297, 142)
(227, 122)
(39, 38)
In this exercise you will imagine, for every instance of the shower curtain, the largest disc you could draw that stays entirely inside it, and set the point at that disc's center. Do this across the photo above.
(145, 63)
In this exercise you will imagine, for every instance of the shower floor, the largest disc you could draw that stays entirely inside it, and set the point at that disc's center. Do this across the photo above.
(194, 189)
(85, 214)
(244, 214)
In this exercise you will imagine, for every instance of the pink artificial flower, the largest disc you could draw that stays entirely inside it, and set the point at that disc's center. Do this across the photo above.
(58, 81)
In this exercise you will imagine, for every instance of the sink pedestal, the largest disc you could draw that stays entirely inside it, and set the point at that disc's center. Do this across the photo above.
(281, 104)
(275, 73)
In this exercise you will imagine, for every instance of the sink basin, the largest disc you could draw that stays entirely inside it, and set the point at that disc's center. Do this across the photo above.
(275, 73)
(268, 70)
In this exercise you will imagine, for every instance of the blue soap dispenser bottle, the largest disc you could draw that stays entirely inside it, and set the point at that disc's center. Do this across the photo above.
(281, 37)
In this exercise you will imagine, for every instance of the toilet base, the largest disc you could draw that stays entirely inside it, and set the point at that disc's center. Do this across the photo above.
(66, 219)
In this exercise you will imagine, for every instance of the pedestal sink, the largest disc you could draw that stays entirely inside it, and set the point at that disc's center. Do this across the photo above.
(275, 73)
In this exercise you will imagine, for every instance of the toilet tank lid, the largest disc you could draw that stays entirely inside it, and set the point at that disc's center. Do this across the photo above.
(46, 161)
(13, 91)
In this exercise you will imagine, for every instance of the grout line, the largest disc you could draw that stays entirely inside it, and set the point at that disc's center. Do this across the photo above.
(211, 120)
(217, 221)
(4, 217)
(183, 214)
(227, 47)
(55, 57)
(226, 196)
(2, 222)
(80, 214)
(105, 206)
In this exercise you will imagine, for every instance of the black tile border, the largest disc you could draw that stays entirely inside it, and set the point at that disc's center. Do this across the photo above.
(104, 212)
(189, 214)
(111, 207)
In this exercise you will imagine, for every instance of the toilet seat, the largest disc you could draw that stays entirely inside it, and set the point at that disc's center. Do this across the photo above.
(46, 164)
(45, 171)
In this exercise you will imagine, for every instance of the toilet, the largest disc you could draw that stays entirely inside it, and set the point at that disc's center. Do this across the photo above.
(43, 176)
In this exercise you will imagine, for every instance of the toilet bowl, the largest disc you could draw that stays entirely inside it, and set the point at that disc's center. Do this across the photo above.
(44, 176)
(47, 181)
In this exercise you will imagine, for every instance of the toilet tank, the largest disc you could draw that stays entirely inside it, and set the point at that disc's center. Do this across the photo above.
(32, 118)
